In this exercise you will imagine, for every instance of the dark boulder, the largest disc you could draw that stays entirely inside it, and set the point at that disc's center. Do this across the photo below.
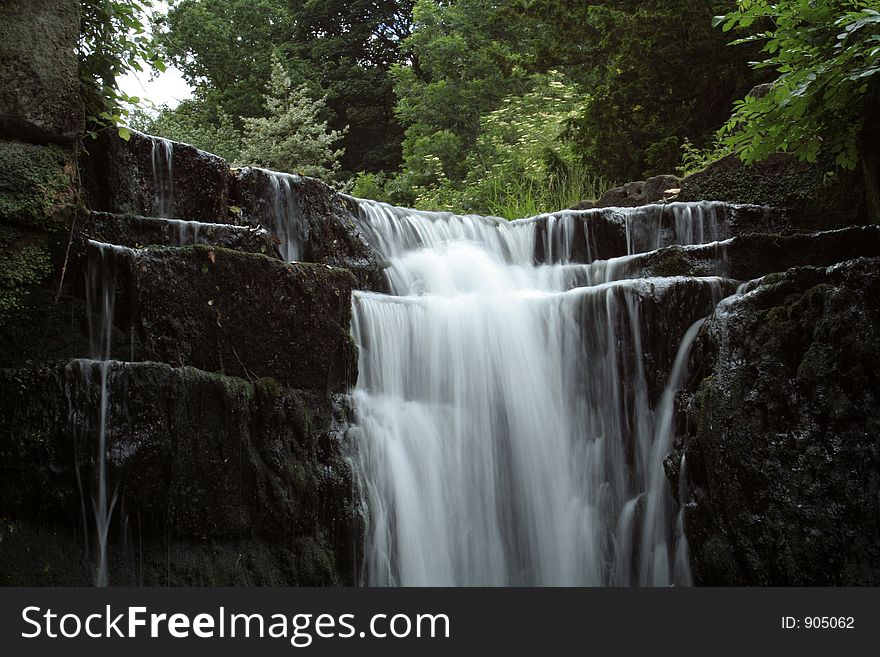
(781, 432)
(813, 200)
(641, 192)
(238, 313)
(136, 177)
(39, 71)
(213, 480)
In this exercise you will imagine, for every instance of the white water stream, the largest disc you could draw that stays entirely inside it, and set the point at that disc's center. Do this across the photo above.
(504, 428)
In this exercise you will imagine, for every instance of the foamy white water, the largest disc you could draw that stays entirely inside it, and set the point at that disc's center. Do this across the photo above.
(504, 429)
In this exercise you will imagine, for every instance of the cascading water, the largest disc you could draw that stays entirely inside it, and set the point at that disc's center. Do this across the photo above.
(163, 177)
(100, 292)
(505, 431)
(288, 222)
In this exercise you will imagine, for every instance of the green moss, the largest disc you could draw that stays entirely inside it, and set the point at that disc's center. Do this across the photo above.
(24, 264)
(670, 262)
(36, 185)
(315, 563)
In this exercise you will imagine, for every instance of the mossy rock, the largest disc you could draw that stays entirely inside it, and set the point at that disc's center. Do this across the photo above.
(40, 97)
(25, 263)
(37, 185)
(218, 481)
(780, 433)
(815, 194)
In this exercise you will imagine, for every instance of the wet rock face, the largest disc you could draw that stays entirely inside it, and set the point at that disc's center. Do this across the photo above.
(813, 202)
(134, 232)
(754, 255)
(781, 432)
(325, 226)
(246, 315)
(659, 310)
(36, 185)
(604, 233)
(216, 480)
(138, 177)
(39, 75)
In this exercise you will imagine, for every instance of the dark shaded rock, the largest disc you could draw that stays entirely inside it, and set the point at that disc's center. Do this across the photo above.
(238, 313)
(319, 222)
(215, 480)
(120, 177)
(604, 233)
(38, 206)
(754, 255)
(812, 200)
(25, 264)
(660, 310)
(781, 437)
(39, 71)
(134, 231)
(641, 192)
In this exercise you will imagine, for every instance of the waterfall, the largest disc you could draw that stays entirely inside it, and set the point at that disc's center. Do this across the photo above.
(505, 428)
(288, 222)
(100, 289)
(163, 177)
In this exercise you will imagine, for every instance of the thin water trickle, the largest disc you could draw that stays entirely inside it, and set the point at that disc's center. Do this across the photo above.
(288, 222)
(504, 431)
(101, 279)
(163, 177)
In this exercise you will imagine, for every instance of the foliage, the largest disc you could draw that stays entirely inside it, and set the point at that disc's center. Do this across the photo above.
(342, 50)
(292, 137)
(518, 165)
(652, 74)
(370, 185)
(826, 55)
(113, 41)
(662, 75)
(695, 159)
(187, 123)
(463, 58)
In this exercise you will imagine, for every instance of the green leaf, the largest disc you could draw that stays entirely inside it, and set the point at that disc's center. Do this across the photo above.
(124, 133)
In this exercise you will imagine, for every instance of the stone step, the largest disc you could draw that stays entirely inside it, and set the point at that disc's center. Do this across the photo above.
(582, 236)
(155, 177)
(204, 468)
(751, 256)
(135, 232)
(310, 220)
(220, 310)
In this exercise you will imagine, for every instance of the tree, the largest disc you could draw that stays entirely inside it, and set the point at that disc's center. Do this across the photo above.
(827, 94)
(341, 49)
(662, 78)
(653, 75)
(461, 60)
(187, 123)
(113, 41)
(292, 137)
(519, 165)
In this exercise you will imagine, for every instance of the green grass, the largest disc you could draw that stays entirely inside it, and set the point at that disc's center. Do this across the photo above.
(527, 197)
